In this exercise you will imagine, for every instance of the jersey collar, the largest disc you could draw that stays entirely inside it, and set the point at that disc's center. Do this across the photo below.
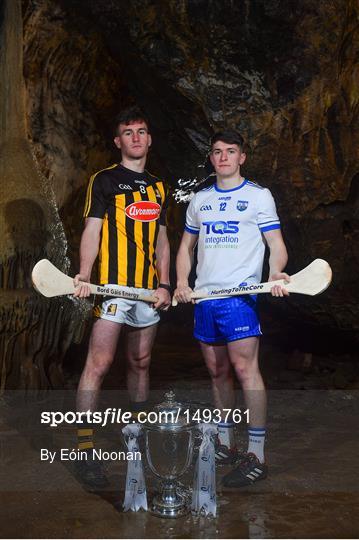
(130, 171)
(233, 189)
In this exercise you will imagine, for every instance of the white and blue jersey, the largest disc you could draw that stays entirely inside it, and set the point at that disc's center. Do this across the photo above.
(229, 225)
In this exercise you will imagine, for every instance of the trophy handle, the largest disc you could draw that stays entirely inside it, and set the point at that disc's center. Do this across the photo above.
(148, 456)
(189, 453)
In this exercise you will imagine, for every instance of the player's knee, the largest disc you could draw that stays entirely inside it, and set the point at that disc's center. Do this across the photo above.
(245, 369)
(242, 373)
(99, 364)
(139, 363)
(219, 373)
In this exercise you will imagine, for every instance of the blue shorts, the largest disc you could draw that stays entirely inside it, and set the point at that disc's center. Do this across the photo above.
(226, 319)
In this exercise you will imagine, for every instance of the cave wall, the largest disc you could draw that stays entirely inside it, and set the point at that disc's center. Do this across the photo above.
(286, 75)
(72, 88)
(34, 334)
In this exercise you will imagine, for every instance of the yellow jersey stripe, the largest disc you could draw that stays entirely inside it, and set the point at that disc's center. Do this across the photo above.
(104, 252)
(140, 255)
(161, 189)
(151, 236)
(122, 240)
(89, 189)
(88, 196)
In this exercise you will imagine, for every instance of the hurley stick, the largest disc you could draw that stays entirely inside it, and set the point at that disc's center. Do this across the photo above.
(50, 281)
(312, 280)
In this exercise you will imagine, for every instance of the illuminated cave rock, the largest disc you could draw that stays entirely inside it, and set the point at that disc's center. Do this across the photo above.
(34, 333)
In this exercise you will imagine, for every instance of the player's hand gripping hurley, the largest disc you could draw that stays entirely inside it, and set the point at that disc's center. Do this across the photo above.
(312, 280)
(50, 281)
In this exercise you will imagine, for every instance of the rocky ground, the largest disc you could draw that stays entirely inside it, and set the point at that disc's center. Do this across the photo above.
(312, 452)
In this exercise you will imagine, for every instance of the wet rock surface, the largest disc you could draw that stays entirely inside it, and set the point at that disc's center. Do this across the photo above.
(311, 492)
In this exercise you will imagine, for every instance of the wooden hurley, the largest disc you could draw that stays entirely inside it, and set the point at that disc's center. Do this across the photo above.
(50, 281)
(312, 280)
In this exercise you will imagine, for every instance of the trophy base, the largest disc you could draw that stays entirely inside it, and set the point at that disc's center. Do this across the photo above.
(175, 508)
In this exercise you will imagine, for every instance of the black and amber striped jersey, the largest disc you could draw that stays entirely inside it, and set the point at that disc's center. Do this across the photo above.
(132, 206)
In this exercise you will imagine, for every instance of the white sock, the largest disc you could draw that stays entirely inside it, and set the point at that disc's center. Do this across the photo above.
(256, 437)
(226, 434)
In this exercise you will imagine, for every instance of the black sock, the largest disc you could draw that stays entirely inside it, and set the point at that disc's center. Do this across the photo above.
(138, 406)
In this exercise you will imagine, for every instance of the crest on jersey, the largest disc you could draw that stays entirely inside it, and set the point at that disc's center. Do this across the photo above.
(242, 205)
(111, 309)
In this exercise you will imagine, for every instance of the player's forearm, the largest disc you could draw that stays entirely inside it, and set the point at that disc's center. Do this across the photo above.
(183, 265)
(89, 247)
(163, 259)
(278, 258)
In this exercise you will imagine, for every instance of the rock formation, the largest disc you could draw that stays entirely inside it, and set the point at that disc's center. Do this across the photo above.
(34, 334)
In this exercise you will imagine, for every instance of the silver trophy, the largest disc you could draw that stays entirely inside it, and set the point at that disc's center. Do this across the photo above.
(169, 449)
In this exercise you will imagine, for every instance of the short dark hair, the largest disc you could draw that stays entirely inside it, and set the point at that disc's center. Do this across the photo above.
(129, 115)
(229, 136)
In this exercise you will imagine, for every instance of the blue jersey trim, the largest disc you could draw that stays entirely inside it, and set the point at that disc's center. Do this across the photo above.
(228, 190)
(269, 221)
(192, 231)
(269, 228)
(253, 184)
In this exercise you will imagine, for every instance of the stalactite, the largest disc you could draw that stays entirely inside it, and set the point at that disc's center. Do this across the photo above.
(35, 332)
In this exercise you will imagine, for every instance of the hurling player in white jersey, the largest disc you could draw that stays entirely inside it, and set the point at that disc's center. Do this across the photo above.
(232, 221)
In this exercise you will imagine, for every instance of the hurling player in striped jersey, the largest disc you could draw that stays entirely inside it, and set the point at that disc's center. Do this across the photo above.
(232, 221)
(125, 226)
